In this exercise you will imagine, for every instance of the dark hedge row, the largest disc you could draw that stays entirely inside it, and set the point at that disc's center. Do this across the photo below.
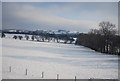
(104, 44)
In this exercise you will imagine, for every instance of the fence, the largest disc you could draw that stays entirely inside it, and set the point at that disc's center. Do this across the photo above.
(26, 73)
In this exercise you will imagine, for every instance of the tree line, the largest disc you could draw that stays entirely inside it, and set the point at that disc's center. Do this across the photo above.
(42, 37)
(45, 37)
(104, 39)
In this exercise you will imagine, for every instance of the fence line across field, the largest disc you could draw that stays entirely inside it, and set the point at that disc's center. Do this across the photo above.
(42, 74)
(57, 75)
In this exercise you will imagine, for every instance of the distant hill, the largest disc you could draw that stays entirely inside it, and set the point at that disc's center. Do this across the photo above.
(37, 32)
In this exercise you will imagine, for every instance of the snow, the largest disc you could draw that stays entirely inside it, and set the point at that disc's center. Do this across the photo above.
(0, 59)
(67, 60)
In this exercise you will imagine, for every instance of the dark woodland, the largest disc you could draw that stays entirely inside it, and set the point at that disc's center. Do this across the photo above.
(104, 39)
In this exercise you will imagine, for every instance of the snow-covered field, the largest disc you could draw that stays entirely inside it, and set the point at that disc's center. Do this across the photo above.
(0, 59)
(67, 60)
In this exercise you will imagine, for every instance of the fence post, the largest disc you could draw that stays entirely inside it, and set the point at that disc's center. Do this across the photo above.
(42, 74)
(10, 69)
(90, 79)
(75, 78)
(57, 76)
(26, 72)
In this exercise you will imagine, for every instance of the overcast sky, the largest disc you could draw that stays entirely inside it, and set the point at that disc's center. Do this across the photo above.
(73, 16)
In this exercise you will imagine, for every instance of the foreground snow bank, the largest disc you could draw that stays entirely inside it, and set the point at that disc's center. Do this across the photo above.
(67, 60)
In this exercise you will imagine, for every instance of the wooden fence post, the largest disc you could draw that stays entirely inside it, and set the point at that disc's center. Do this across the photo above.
(90, 79)
(57, 76)
(26, 72)
(42, 74)
(10, 69)
(75, 78)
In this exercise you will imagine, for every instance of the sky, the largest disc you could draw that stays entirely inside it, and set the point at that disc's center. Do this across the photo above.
(72, 16)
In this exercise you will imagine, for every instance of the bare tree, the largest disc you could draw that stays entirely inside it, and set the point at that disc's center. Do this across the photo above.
(107, 29)
(104, 39)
